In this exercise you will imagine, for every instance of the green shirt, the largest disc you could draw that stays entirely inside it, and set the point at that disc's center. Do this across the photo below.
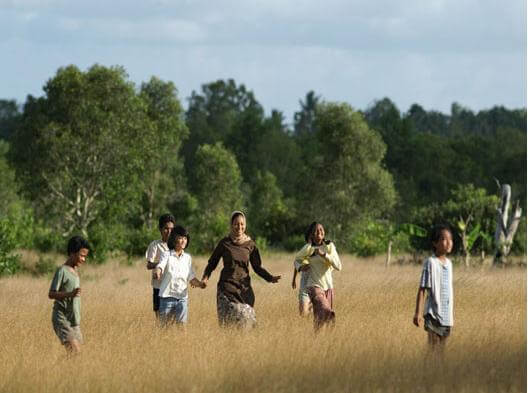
(69, 308)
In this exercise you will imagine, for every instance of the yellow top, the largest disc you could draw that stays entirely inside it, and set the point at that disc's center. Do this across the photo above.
(320, 272)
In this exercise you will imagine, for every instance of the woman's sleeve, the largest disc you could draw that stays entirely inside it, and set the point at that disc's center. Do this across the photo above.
(332, 257)
(301, 258)
(215, 258)
(256, 264)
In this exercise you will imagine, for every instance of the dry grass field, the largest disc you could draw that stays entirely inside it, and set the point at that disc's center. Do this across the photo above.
(373, 348)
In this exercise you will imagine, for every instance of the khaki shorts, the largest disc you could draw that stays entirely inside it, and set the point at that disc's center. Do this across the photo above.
(66, 333)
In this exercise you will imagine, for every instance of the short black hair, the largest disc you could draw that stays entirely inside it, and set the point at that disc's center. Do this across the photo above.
(165, 218)
(76, 243)
(436, 232)
(178, 230)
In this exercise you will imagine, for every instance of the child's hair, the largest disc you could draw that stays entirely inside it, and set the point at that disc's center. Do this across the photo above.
(311, 230)
(177, 231)
(76, 243)
(436, 232)
(165, 218)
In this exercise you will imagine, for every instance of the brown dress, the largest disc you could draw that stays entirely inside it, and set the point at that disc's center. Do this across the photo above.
(235, 297)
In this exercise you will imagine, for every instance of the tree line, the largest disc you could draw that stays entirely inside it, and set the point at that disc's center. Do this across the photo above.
(99, 156)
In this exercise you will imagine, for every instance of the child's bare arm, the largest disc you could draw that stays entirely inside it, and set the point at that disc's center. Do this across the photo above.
(56, 295)
(151, 265)
(294, 285)
(418, 314)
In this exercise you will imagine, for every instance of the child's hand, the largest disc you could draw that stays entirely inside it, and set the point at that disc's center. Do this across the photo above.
(76, 292)
(156, 274)
(319, 252)
(275, 279)
(304, 268)
(197, 283)
(418, 320)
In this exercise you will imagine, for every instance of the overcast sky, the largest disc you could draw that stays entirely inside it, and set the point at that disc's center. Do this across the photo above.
(431, 52)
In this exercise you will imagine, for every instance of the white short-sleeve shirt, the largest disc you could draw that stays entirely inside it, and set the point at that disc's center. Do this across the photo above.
(153, 254)
(177, 271)
(437, 278)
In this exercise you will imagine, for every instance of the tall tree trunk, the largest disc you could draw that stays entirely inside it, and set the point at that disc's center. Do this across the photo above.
(389, 249)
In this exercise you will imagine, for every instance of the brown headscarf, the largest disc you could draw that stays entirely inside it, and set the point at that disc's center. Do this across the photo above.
(237, 239)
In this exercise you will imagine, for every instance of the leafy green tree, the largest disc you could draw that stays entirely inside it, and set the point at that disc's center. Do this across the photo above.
(277, 152)
(472, 211)
(164, 180)
(271, 216)
(228, 113)
(9, 118)
(304, 120)
(462, 120)
(432, 122)
(9, 187)
(348, 181)
(79, 148)
(468, 207)
(217, 188)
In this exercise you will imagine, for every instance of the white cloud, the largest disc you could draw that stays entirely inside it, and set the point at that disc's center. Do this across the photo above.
(432, 52)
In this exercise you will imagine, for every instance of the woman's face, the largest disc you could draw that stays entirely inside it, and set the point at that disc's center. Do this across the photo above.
(318, 234)
(238, 226)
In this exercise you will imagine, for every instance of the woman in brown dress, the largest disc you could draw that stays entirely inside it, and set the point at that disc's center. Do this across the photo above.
(235, 297)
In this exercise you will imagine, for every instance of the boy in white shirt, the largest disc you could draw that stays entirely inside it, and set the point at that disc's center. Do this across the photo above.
(175, 271)
(166, 223)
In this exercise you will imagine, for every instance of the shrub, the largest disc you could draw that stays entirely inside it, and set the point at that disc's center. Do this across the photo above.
(9, 262)
(44, 266)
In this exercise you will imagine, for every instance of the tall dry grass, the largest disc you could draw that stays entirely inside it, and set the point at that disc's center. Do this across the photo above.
(373, 348)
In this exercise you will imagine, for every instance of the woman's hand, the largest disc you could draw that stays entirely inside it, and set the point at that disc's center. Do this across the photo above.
(294, 284)
(304, 268)
(275, 279)
(197, 283)
(156, 274)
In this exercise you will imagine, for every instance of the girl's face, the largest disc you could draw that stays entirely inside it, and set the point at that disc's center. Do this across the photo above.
(239, 225)
(180, 242)
(444, 244)
(166, 231)
(318, 234)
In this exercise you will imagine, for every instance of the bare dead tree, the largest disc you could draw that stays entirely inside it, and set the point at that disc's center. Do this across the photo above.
(506, 225)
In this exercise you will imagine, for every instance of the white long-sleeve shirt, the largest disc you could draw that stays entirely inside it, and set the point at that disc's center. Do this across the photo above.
(176, 272)
(320, 272)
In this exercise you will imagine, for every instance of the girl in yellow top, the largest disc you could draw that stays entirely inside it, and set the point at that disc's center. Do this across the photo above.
(319, 257)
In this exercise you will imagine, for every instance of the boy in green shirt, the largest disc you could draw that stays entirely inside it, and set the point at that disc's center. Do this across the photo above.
(65, 290)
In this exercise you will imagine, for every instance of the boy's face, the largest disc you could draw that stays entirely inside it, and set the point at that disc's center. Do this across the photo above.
(80, 257)
(180, 242)
(166, 230)
(444, 244)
